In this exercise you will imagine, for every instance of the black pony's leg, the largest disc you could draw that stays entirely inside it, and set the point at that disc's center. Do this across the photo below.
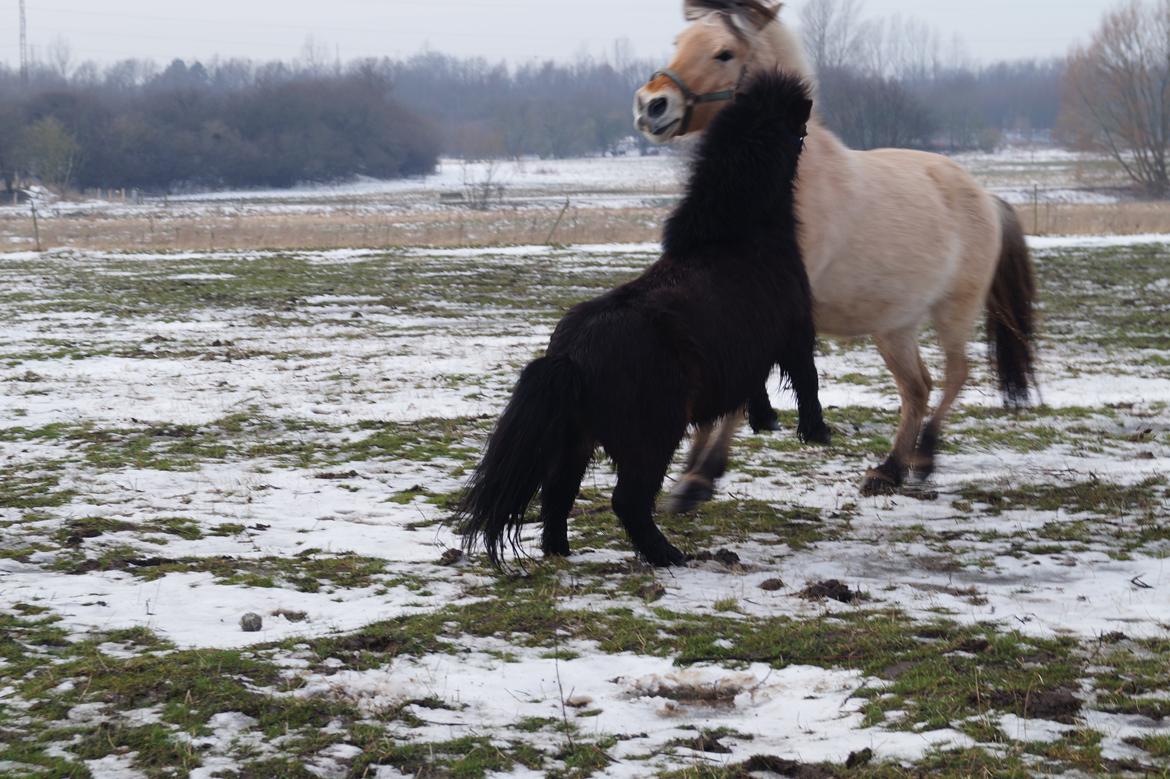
(561, 484)
(633, 502)
(799, 363)
(642, 458)
(761, 416)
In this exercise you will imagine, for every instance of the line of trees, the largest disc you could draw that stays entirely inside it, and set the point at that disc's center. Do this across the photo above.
(231, 124)
(892, 82)
(546, 109)
(883, 82)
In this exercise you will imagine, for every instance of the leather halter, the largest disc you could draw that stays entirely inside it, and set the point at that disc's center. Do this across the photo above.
(691, 99)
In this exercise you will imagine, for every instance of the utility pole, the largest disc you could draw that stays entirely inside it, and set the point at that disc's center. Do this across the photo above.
(23, 45)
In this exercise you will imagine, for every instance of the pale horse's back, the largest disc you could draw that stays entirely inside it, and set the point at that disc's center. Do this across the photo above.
(887, 215)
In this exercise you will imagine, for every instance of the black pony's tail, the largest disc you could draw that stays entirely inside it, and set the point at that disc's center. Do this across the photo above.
(1011, 316)
(539, 422)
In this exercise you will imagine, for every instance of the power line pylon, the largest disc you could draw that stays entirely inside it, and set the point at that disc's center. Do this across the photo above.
(23, 45)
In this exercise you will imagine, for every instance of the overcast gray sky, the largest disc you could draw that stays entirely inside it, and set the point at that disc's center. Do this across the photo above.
(517, 30)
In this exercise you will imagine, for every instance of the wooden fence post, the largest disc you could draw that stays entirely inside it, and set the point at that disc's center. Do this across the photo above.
(556, 224)
(36, 224)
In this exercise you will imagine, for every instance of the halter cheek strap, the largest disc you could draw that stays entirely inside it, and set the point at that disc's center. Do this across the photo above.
(691, 99)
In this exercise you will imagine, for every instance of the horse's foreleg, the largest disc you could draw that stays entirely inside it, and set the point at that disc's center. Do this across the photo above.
(639, 479)
(708, 462)
(900, 352)
(761, 416)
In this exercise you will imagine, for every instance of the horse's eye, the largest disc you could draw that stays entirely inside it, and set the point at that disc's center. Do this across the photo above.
(725, 56)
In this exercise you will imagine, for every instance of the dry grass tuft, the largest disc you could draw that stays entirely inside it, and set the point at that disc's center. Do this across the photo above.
(459, 227)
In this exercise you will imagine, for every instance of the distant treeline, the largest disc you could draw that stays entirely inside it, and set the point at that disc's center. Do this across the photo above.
(892, 81)
(559, 110)
(549, 109)
(240, 124)
(232, 124)
(947, 110)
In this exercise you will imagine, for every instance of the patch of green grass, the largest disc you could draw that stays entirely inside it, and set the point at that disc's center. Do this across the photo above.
(19, 490)
(464, 758)
(535, 724)
(422, 441)
(583, 759)
(27, 636)
(1092, 497)
(75, 531)
(717, 523)
(244, 437)
(310, 571)
(156, 750)
(1157, 746)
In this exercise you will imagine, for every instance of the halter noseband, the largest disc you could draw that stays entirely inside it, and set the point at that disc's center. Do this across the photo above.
(691, 99)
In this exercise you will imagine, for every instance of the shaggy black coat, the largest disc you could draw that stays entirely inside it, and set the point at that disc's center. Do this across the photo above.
(690, 340)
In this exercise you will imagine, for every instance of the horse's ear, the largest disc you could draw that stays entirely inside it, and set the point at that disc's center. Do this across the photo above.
(804, 111)
(692, 10)
(747, 15)
(772, 9)
(754, 15)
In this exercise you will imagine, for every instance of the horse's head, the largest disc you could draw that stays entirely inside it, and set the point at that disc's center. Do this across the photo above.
(724, 41)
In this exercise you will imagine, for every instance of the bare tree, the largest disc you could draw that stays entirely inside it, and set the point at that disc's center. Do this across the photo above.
(870, 111)
(833, 33)
(316, 58)
(1117, 92)
(60, 55)
(897, 47)
(482, 188)
(50, 153)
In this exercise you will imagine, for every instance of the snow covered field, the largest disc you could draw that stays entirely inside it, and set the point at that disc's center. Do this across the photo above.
(189, 438)
(594, 182)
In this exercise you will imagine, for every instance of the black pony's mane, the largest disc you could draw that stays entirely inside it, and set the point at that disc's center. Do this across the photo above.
(742, 178)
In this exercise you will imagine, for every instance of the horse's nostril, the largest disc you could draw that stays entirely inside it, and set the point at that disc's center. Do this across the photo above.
(657, 107)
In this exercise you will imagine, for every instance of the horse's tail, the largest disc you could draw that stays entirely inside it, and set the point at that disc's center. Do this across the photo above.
(535, 429)
(1011, 317)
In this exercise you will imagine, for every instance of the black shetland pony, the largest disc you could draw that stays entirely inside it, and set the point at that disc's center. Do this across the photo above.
(687, 342)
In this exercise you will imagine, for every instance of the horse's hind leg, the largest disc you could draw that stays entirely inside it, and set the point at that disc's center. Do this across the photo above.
(561, 484)
(953, 335)
(699, 446)
(799, 363)
(900, 351)
(708, 462)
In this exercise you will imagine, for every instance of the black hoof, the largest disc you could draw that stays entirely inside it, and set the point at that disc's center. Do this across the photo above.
(765, 423)
(557, 549)
(885, 479)
(666, 557)
(822, 435)
(688, 495)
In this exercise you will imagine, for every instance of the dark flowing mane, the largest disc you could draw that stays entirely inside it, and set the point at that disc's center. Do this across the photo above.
(744, 168)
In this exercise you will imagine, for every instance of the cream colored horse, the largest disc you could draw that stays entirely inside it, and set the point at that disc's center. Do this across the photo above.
(892, 240)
